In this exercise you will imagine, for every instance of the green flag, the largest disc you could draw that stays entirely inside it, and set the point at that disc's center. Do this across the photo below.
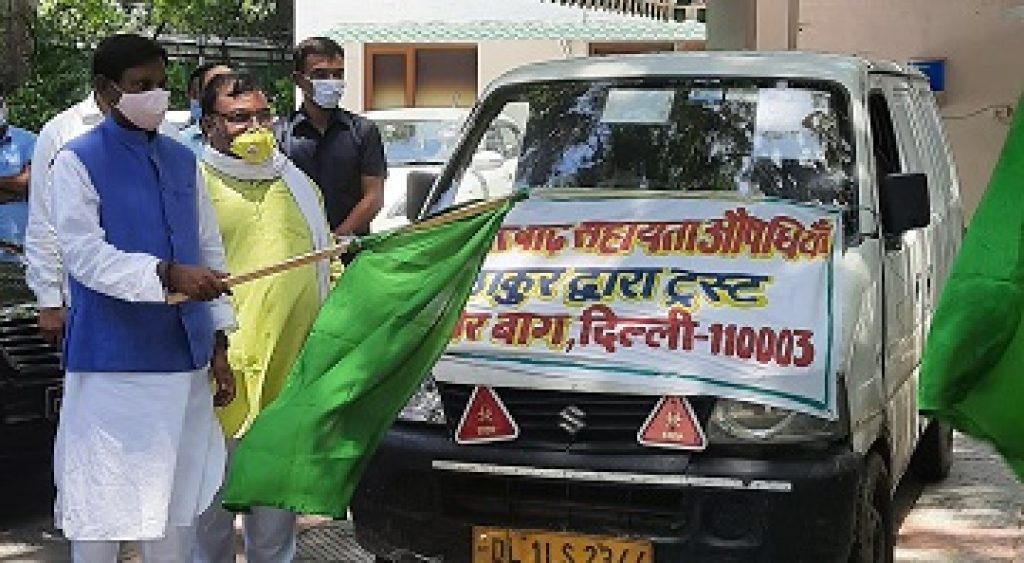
(973, 370)
(378, 334)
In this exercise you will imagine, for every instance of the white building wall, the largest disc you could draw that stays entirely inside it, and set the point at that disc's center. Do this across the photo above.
(982, 42)
(498, 57)
(316, 17)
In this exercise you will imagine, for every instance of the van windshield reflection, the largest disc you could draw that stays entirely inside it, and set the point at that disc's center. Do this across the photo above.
(752, 137)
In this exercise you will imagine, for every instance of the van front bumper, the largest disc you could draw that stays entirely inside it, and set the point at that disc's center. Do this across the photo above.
(422, 494)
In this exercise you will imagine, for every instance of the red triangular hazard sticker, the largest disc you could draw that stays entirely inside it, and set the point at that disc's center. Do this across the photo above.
(672, 424)
(485, 419)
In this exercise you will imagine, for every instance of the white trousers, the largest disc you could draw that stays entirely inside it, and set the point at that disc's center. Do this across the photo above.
(175, 547)
(269, 533)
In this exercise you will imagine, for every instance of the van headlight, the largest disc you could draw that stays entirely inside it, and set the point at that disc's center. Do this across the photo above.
(424, 405)
(740, 421)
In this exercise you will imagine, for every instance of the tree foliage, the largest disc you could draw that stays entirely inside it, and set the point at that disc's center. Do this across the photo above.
(266, 19)
(64, 33)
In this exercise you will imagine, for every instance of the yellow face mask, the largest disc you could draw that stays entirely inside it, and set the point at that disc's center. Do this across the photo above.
(254, 146)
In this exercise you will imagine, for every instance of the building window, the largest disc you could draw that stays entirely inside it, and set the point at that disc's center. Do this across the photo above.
(694, 10)
(420, 76)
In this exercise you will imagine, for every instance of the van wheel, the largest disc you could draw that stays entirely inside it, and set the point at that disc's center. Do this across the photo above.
(934, 455)
(873, 536)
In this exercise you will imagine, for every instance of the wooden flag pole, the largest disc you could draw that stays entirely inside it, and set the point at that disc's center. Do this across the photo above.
(289, 264)
(456, 215)
(334, 251)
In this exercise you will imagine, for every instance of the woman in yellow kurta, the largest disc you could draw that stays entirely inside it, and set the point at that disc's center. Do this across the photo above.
(268, 211)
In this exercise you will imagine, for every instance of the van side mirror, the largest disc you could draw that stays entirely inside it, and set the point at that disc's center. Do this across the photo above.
(417, 189)
(904, 203)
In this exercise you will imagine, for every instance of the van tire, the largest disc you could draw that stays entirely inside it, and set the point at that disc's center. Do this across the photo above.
(873, 540)
(933, 458)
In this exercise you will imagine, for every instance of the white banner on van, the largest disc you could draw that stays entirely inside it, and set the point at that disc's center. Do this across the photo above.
(657, 297)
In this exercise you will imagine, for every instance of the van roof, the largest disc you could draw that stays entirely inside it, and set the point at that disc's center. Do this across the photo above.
(845, 69)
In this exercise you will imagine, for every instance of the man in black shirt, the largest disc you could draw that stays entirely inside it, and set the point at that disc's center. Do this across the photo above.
(341, 151)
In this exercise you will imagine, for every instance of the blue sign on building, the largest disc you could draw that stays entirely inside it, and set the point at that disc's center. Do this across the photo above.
(935, 70)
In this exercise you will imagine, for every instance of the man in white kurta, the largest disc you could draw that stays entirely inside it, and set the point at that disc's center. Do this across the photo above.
(139, 453)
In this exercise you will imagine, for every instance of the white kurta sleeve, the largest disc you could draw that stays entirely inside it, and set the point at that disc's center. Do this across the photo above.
(212, 247)
(44, 272)
(87, 256)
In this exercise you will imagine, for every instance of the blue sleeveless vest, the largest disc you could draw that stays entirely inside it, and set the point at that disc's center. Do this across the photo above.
(147, 190)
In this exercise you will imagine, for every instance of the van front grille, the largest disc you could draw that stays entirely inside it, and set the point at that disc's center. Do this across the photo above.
(602, 508)
(611, 421)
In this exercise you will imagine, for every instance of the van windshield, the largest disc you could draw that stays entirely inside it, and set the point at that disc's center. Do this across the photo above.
(775, 138)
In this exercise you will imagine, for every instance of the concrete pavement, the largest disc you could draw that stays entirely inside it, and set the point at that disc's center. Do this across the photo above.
(977, 514)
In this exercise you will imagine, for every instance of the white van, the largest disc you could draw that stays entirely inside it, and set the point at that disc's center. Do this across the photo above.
(699, 338)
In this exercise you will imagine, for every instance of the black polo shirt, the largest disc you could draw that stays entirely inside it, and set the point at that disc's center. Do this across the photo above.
(336, 160)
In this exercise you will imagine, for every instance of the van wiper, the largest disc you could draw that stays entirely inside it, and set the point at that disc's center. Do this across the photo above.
(419, 163)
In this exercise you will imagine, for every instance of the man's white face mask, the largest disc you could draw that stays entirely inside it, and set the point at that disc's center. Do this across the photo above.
(327, 92)
(146, 110)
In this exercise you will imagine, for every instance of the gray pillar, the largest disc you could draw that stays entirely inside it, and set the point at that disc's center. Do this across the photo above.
(731, 25)
(742, 25)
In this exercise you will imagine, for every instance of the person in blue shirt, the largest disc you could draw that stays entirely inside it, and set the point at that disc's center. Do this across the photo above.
(16, 146)
(192, 135)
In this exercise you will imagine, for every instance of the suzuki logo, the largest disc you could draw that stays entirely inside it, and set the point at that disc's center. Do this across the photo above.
(573, 419)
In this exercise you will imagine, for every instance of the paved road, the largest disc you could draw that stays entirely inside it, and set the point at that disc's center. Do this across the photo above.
(975, 515)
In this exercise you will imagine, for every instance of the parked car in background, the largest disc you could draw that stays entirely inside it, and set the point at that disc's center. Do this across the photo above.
(418, 142)
(30, 374)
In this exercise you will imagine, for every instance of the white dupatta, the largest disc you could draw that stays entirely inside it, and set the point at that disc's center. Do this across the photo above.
(303, 190)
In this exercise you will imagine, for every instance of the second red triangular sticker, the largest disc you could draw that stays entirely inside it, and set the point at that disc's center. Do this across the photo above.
(672, 424)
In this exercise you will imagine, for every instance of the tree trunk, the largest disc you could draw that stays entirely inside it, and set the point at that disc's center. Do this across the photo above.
(15, 33)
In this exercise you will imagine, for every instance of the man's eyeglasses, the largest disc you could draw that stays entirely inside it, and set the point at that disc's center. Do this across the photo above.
(259, 118)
